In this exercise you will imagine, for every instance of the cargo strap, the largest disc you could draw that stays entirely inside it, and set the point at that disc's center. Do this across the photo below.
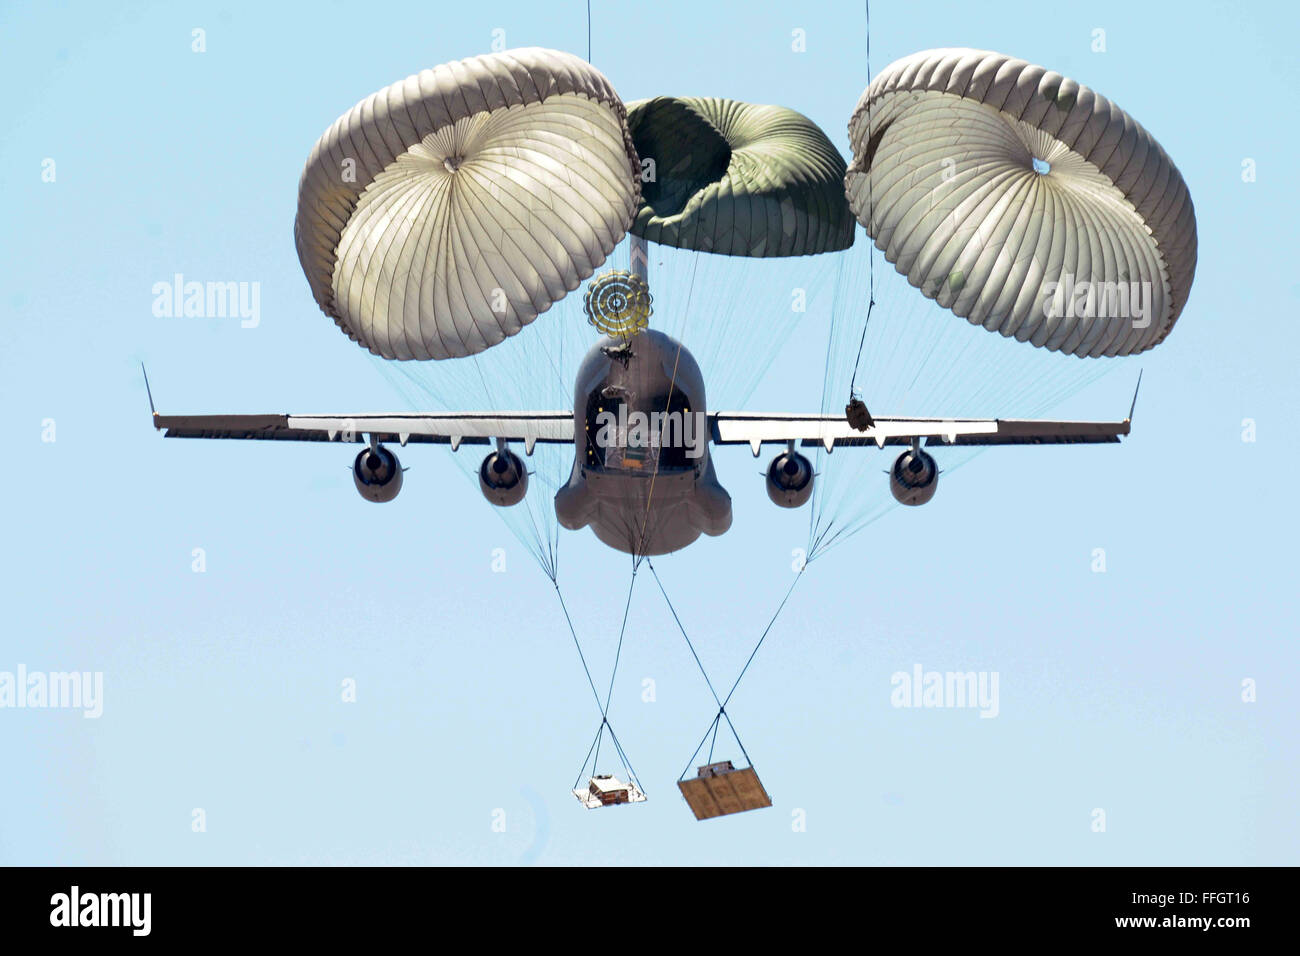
(594, 749)
(722, 704)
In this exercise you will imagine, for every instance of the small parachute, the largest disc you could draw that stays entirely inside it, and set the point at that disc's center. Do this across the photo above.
(1023, 202)
(444, 213)
(737, 179)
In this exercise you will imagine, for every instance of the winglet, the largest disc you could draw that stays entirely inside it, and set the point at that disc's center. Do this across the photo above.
(147, 391)
(1135, 397)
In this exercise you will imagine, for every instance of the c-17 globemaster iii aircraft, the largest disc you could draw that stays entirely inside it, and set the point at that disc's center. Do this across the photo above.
(642, 477)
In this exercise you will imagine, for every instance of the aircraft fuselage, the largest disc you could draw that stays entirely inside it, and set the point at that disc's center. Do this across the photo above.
(642, 477)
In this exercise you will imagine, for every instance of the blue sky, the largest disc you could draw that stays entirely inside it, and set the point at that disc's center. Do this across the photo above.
(1119, 690)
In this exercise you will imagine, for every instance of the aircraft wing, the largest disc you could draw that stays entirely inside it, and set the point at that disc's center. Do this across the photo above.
(726, 428)
(758, 429)
(446, 428)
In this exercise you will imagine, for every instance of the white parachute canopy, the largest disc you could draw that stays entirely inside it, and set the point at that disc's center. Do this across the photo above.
(444, 213)
(1023, 202)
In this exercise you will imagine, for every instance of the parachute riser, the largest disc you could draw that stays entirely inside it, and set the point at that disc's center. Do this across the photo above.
(640, 256)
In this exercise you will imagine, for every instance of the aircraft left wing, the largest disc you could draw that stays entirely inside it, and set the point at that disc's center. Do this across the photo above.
(446, 428)
(758, 429)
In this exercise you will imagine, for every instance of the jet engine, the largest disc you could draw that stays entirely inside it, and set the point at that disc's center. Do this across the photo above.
(914, 477)
(378, 474)
(503, 478)
(789, 479)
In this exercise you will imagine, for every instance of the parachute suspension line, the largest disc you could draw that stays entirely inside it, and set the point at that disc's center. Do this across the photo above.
(681, 628)
(618, 748)
(450, 388)
(555, 558)
(618, 653)
(622, 756)
(827, 541)
(871, 304)
(819, 490)
(588, 31)
(547, 549)
(722, 714)
(830, 345)
(587, 759)
(767, 630)
(668, 407)
(582, 657)
(546, 541)
(819, 542)
(478, 368)
(871, 208)
(824, 491)
(604, 710)
(722, 709)
(713, 732)
(627, 606)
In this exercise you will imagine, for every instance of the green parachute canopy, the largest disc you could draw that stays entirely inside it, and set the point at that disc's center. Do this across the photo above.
(737, 179)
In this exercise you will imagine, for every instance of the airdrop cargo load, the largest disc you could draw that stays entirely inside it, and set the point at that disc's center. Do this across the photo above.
(720, 789)
(606, 790)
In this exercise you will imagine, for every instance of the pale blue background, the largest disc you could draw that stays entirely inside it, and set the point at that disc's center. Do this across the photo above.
(1119, 691)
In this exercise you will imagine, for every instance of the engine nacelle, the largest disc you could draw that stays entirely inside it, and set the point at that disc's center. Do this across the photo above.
(914, 477)
(789, 479)
(377, 474)
(503, 478)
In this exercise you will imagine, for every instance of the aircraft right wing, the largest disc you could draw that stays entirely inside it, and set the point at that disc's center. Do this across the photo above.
(757, 429)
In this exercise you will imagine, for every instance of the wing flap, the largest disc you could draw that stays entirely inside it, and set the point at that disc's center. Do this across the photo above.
(1014, 431)
(757, 429)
